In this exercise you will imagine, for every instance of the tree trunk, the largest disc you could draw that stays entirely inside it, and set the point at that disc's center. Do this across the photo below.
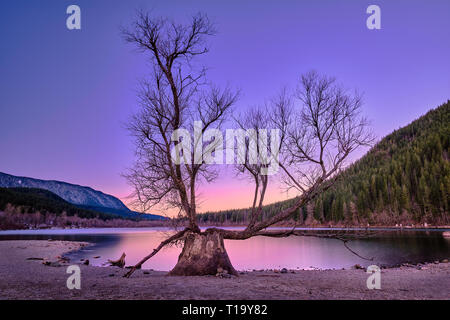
(202, 254)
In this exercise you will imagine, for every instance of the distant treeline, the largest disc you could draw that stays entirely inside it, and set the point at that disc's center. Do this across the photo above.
(22, 208)
(405, 178)
(12, 218)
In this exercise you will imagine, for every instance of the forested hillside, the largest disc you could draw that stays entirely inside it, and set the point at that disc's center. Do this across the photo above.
(405, 178)
(72, 193)
(24, 208)
(31, 200)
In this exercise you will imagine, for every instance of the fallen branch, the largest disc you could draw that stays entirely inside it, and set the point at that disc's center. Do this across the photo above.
(338, 236)
(169, 240)
(355, 253)
(119, 262)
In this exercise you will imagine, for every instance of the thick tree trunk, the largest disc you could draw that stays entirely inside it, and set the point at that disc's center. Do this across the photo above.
(203, 254)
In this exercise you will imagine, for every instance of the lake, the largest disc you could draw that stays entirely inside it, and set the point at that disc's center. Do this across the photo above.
(388, 248)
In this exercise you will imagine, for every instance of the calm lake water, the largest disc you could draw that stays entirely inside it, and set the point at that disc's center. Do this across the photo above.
(387, 248)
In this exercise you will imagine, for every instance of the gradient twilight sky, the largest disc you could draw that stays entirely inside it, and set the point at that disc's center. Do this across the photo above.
(65, 95)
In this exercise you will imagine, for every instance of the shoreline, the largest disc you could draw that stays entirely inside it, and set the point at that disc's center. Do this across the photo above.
(324, 228)
(25, 276)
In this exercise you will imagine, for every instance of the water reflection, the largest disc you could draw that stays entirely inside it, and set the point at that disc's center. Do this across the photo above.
(389, 248)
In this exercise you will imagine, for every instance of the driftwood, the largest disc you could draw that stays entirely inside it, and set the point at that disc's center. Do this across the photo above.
(118, 263)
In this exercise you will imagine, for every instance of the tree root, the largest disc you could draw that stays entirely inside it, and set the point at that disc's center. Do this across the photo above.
(203, 254)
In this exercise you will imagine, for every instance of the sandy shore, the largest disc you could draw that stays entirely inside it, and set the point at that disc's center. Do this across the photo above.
(25, 278)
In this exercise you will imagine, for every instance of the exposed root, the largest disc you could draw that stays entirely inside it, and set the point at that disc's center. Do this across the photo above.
(203, 254)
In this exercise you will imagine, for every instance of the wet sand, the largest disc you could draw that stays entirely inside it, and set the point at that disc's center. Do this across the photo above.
(25, 278)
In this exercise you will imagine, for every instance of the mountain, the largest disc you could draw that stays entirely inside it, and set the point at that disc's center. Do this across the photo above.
(404, 178)
(72, 193)
(82, 197)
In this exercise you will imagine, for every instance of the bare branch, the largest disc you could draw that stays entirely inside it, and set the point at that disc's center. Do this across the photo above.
(320, 126)
(164, 243)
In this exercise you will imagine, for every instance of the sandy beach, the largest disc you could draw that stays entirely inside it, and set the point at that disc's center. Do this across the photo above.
(23, 275)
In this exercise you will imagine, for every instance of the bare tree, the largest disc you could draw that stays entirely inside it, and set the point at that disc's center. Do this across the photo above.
(319, 127)
(172, 98)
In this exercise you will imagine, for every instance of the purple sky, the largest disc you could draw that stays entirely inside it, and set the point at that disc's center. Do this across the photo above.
(65, 95)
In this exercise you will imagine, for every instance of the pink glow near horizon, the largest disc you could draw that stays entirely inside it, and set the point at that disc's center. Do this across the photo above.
(228, 194)
(235, 192)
